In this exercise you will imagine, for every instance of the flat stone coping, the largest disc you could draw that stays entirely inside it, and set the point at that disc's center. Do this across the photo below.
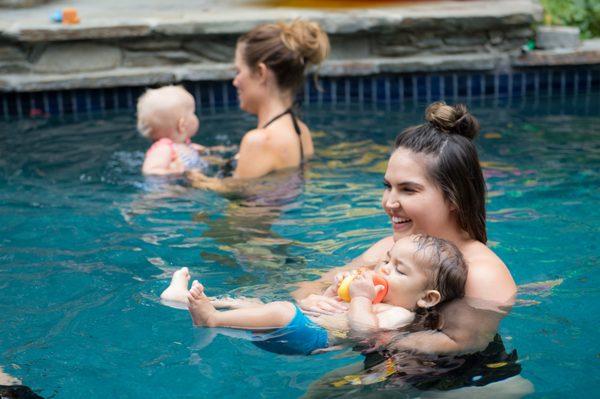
(103, 19)
(226, 71)
(586, 54)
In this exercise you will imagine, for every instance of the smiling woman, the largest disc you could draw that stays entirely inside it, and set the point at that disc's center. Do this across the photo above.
(270, 63)
(434, 185)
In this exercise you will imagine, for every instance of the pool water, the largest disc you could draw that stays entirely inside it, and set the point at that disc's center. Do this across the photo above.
(87, 245)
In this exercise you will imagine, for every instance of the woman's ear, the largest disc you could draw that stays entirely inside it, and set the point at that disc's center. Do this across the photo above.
(429, 299)
(452, 206)
(262, 72)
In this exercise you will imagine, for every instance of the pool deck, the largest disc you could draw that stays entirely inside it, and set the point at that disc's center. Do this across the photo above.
(162, 42)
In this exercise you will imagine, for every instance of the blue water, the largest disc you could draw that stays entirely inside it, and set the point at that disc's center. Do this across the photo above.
(87, 245)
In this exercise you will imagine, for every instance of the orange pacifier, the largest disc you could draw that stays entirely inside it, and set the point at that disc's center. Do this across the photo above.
(344, 288)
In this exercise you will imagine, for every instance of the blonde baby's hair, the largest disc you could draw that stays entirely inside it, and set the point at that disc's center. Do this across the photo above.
(159, 110)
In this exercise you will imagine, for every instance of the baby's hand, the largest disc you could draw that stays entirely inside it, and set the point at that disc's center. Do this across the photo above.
(337, 280)
(362, 286)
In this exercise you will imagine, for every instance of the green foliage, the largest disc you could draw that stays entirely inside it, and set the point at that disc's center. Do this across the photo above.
(585, 14)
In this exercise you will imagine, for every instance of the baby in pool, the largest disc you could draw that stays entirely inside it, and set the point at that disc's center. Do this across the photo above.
(167, 117)
(420, 273)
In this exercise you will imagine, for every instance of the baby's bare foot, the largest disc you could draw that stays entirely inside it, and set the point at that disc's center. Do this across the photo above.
(178, 289)
(201, 309)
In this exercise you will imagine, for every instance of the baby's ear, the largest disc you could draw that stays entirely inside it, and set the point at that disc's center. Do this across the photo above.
(181, 125)
(429, 299)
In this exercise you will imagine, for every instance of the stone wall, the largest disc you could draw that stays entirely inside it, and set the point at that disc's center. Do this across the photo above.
(59, 57)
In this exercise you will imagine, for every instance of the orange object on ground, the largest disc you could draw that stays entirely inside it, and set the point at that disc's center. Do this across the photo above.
(69, 16)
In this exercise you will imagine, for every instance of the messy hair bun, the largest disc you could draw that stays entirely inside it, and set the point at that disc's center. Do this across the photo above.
(452, 162)
(305, 38)
(286, 48)
(452, 119)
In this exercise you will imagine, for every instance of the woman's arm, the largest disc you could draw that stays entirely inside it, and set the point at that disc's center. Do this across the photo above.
(255, 159)
(369, 258)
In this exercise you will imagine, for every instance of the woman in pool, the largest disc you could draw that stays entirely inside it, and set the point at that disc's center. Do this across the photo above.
(434, 185)
(271, 61)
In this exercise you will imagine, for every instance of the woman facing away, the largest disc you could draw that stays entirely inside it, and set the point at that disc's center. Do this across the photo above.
(434, 185)
(270, 63)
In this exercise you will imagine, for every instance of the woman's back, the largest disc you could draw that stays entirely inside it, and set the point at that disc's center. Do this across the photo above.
(289, 147)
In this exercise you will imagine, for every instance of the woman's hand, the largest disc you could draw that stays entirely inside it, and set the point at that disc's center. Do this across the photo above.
(195, 175)
(317, 305)
(199, 147)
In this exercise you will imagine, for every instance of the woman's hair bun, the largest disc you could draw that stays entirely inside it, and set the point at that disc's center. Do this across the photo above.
(452, 119)
(307, 39)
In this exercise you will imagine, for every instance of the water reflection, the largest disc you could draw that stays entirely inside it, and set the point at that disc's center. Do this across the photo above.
(409, 362)
(243, 231)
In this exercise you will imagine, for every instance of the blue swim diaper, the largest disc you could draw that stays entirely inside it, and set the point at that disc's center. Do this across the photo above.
(300, 337)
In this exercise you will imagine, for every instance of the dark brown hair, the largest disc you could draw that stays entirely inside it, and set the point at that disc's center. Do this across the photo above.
(445, 265)
(446, 138)
(448, 274)
(286, 49)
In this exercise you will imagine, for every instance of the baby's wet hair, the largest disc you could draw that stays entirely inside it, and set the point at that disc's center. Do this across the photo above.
(148, 120)
(446, 266)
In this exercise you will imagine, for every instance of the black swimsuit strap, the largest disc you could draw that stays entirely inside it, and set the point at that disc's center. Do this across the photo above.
(296, 128)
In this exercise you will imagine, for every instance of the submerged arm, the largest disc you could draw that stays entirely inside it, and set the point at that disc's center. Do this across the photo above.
(466, 326)
(255, 159)
(368, 259)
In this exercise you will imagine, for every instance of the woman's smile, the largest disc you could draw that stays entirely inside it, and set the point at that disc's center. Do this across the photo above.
(401, 224)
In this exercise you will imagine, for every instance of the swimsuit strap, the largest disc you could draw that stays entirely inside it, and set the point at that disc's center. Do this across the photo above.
(296, 128)
(167, 142)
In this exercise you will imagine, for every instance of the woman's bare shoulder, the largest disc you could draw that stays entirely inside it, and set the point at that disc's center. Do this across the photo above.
(255, 137)
(489, 278)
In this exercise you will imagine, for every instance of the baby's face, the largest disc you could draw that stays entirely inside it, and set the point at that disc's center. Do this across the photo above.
(169, 112)
(190, 123)
(406, 277)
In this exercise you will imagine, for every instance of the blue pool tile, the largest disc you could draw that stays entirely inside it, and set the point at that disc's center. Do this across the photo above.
(420, 85)
(35, 104)
(96, 100)
(23, 104)
(11, 104)
(448, 92)
(218, 94)
(503, 84)
(109, 99)
(517, 84)
(387, 89)
(323, 91)
(435, 87)
(232, 94)
(204, 97)
(122, 99)
(462, 85)
(380, 89)
(491, 85)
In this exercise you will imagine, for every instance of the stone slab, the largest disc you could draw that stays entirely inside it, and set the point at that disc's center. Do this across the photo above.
(557, 37)
(587, 54)
(77, 57)
(100, 19)
(226, 71)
